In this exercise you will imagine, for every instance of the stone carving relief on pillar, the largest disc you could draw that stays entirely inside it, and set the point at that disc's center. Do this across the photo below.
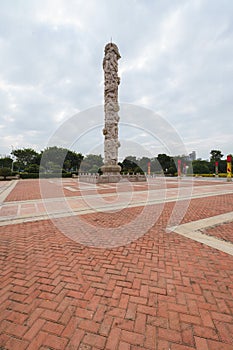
(111, 107)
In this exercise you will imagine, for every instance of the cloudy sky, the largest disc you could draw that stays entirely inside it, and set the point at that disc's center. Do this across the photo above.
(177, 60)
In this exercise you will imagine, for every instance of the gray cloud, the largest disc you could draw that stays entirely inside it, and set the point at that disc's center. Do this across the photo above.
(176, 60)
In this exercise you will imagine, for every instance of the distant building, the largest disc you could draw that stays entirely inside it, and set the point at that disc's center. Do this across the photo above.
(192, 156)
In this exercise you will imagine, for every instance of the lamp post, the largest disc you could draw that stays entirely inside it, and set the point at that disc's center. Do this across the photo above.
(12, 164)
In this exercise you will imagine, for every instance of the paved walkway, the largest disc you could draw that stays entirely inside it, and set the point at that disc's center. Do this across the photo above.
(161, 291)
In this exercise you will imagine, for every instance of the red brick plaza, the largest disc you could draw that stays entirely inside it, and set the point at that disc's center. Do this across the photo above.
(68, 281)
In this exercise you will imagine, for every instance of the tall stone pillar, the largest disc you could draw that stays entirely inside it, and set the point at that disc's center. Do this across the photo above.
(111, 108)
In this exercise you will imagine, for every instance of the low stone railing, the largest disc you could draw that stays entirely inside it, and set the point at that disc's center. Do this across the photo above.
(96, 178)
(87, 177)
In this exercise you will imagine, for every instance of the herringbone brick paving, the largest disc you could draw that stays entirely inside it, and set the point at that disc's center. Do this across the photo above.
(223, 231)
(30, 189)
(162, 291)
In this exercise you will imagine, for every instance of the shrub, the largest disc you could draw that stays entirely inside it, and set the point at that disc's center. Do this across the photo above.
(29, 175)
(207, 175)
(4, 172)
(32, 168)
(43, 175)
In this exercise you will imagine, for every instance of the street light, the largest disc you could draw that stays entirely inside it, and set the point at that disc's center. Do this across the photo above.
(12, 164)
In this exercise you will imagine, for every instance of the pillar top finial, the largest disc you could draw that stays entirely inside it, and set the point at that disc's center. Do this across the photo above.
(111, 47)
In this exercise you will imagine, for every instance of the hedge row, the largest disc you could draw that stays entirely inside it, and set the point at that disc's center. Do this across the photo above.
(43, 176)
(211, 175)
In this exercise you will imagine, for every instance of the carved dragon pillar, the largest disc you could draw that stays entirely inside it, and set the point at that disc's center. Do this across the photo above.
(111, 108)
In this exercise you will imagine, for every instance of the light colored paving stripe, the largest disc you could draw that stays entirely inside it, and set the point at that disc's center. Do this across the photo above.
(19, 210)
(36, 206)
(207, 222)
(71, 189)
(7, 190)
(193, 229)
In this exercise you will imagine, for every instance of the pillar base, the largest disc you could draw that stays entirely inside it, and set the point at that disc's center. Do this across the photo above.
(111, 169)
(111, 173)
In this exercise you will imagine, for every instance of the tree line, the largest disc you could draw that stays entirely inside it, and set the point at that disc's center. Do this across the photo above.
(169, 165)
(53, 160)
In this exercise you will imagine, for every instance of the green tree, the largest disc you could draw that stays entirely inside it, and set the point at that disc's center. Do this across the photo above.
(32, 168)
(133, 159)
(73, 160)
(91, 163)
(57, 158)
(53, 157)
(201, 167)
(222, 166)
(5, 172)
(67, 165)
(165, 161)
(6, 162)
(94, 169)
(37, 158)
(155, 165)
(24, 157)
(143, 163)
(216, 155)
(172, 170)
(130, 165)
